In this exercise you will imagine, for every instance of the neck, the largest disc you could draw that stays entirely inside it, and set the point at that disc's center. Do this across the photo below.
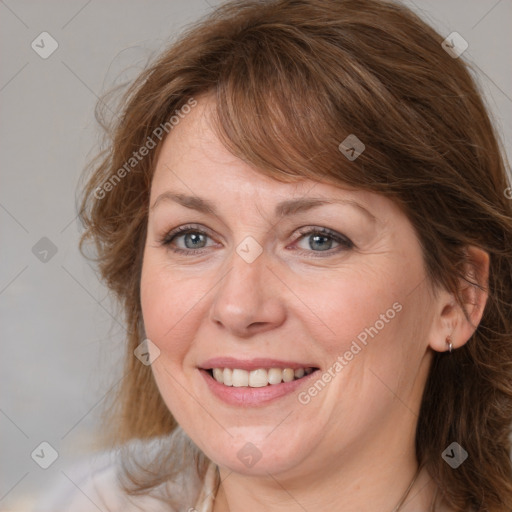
(376, 490)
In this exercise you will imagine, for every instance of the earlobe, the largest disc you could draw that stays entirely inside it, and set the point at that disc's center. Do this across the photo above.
(454, 326)
(449, 343)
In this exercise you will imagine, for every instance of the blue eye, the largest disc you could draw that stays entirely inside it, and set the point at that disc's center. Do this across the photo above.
(319, 238)
(184, 231)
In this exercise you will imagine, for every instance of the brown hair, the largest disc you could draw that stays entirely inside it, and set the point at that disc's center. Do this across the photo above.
(291, 79)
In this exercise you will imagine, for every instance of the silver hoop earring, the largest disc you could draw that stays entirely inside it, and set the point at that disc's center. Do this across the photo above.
(449, 343)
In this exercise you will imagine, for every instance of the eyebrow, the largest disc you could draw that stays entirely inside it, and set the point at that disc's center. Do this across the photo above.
(283, 209)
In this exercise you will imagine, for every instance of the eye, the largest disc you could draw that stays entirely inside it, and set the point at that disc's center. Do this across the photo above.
(193, 239)
(320, 240)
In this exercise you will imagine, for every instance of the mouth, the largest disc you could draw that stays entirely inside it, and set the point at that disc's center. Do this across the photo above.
(256, 382)
(261, 377)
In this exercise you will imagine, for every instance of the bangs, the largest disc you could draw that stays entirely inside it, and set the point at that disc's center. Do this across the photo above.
(273, 112)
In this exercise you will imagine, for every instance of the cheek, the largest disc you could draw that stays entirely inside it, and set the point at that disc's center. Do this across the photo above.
(163, 301)
(171, 307)
(356, 306)
(168, 313)
(381, 343)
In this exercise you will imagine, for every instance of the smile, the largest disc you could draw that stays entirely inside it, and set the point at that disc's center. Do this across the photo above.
(255, 382)
(258, 378)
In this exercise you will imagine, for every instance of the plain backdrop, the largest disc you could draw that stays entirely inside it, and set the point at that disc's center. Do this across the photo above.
(61, 345)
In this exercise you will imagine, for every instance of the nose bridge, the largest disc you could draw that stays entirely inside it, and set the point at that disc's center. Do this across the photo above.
(241, 287)
(243, 297)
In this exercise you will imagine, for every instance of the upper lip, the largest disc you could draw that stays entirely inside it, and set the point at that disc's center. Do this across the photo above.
(251, 364)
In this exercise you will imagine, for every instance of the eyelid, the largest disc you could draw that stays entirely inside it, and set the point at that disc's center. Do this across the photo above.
(182, 230)
(307, 230)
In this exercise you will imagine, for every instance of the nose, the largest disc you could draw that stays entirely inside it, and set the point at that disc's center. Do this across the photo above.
(249, 298)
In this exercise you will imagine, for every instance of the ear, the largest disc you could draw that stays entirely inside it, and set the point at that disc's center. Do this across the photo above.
(450, 320)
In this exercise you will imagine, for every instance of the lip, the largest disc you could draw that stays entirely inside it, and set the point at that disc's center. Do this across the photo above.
(252, 364)
(253, 397)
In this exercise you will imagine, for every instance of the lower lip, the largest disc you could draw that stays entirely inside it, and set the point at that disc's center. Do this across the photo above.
(246, 396)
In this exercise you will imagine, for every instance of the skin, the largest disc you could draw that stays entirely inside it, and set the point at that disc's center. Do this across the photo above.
(353, 443)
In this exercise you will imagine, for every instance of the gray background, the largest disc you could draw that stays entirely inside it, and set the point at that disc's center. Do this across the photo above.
(61, 344)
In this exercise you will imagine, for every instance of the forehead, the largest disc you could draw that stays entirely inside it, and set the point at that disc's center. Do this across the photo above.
(193, 154)
(194, 162)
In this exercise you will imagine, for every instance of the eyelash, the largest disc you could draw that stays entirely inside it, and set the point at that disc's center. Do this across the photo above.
(344, 242)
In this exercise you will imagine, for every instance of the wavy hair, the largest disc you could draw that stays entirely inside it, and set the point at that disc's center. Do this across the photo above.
(291, 79)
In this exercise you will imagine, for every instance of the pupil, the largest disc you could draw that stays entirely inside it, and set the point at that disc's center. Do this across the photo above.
(316, 237)
(195, 237)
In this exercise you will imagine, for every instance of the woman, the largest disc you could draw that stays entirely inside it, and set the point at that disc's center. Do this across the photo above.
(304, 215)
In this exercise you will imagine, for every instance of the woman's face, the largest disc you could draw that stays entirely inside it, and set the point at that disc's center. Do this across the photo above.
(268, 293)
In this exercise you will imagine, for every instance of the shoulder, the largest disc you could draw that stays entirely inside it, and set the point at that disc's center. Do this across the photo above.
(95, 483)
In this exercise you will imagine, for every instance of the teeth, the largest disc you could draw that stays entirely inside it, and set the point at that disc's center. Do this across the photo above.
(240, 378)
(227, 375)
(299, 373)
(288, 375)
(258, 378)
(275, 376)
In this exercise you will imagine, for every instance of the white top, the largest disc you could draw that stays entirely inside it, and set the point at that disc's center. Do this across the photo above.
(94, 484)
